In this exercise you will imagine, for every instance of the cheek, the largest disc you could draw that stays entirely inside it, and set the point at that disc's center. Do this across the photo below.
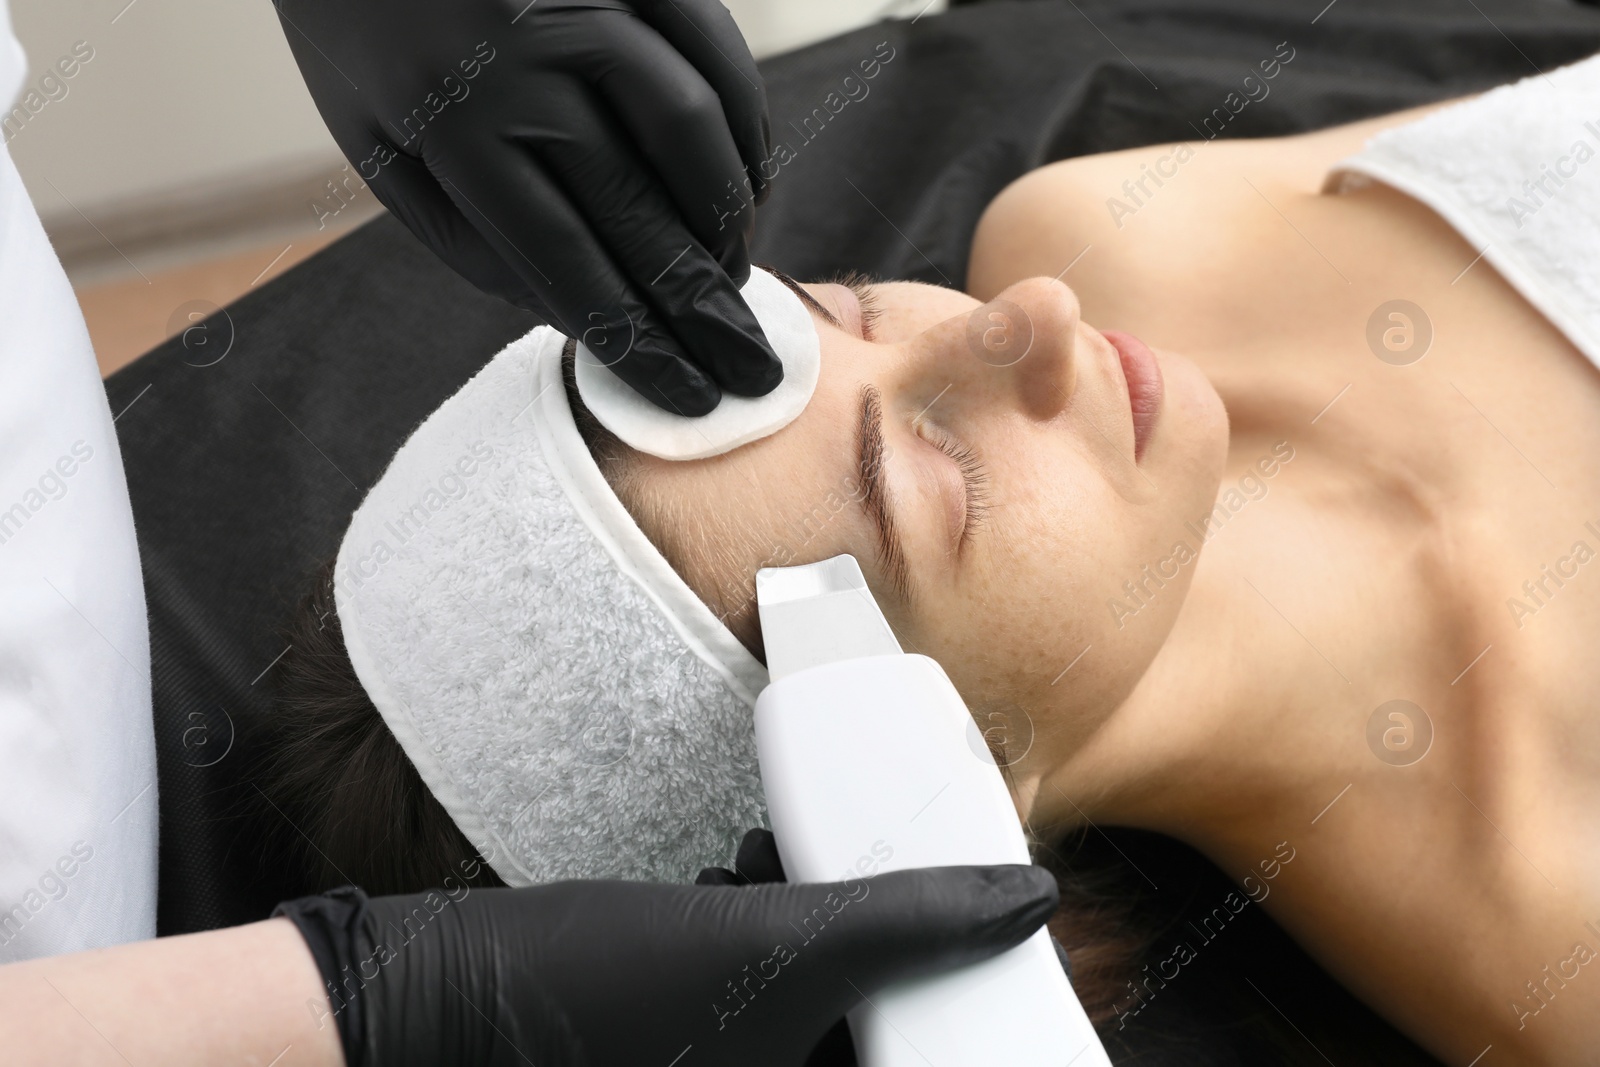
(1013, 621)
(1046, 628)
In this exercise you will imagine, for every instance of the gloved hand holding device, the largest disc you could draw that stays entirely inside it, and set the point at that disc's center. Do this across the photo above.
(758, 862)
(625, 973)
(594, 161)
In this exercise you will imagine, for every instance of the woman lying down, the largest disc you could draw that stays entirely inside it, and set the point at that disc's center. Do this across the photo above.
(1296, 561)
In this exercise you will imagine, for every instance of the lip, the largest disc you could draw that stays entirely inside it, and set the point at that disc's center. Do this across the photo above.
(1142, 374)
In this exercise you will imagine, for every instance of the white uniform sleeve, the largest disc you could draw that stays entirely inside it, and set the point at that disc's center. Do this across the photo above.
(77, 751)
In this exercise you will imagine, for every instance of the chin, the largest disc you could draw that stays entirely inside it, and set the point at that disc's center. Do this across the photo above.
(1190, 441)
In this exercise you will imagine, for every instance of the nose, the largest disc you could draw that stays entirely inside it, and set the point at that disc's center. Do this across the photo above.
(1028, 335)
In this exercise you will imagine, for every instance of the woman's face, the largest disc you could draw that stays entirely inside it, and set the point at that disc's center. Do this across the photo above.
(983, 465)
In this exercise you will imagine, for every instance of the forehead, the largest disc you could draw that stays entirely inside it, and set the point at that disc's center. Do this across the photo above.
(767, 492)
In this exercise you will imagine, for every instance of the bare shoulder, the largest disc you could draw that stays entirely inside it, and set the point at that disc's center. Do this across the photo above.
(1139, 213)
(1158, 204)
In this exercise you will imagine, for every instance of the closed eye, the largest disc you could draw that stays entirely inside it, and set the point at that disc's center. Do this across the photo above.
(974, 478)
(866, 299)
(859, 284)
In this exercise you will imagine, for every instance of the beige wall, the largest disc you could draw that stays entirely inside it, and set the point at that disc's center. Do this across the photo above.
(179, 93)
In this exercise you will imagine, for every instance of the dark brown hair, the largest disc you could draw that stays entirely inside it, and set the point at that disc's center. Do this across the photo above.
(358, 811)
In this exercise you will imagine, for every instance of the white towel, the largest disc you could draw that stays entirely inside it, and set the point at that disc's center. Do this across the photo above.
(577, 710)
(1516, 171)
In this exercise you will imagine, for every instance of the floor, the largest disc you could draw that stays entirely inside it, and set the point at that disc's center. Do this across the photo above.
(128, 318)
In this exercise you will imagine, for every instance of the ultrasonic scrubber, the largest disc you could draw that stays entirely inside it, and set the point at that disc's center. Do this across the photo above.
(868, 751)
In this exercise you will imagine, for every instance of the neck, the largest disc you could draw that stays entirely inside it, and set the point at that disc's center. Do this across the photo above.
(1240, 721)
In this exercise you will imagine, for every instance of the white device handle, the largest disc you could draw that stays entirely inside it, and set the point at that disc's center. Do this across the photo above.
(874, 763)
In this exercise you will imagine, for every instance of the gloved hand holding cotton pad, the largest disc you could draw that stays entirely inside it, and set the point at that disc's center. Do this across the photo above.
(736, 420)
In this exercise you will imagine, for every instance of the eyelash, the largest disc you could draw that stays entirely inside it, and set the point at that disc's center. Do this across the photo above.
(871, 310)
(866, 298)
(974, 474)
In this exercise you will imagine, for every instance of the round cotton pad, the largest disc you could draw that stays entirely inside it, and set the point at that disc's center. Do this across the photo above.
(736, 420)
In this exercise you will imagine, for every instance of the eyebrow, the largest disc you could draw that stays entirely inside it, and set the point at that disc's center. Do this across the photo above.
(805, 298)
(871, 454)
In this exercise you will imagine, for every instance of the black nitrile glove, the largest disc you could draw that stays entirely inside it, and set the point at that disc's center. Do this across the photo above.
(595, 161)
(617, 974)
(757, 863)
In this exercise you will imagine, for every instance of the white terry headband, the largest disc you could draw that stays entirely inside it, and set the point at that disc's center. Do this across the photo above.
(736, 420)
(575, 707)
